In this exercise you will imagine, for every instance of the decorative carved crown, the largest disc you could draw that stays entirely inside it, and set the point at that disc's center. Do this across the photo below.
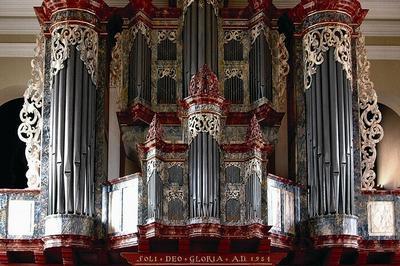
(204, 83)
(155, 132)
(254, 133)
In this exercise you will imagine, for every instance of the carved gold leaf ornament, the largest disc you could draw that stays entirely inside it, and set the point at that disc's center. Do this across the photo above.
(236, 35)
(370, 118)
(318, 41)
(166, 35)
(30, 129)
(86, 41)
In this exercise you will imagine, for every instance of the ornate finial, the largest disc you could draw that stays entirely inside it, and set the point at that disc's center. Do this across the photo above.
(254, 134)
(204, 83)
(155, 132)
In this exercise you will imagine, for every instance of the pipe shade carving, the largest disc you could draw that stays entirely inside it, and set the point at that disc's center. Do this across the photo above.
(318, 41)
(30, 130)
(72, 138)
(330, 139)
(83, 38)
(370, 118)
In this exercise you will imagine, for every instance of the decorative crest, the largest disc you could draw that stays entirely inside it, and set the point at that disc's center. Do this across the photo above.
(155, 132)
(254, 133)
(204, 83)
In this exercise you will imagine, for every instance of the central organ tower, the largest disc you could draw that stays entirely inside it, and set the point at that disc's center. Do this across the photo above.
(200, 101)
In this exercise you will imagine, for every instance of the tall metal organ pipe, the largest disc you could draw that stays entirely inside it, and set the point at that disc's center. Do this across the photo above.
(253, 197)
(139, 70)
(72, 140)
(200, 39)
(329, 140)
(204, 176)
(260, 70)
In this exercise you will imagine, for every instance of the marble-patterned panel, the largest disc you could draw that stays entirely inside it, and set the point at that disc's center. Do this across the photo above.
(69, 224)
(381, 218)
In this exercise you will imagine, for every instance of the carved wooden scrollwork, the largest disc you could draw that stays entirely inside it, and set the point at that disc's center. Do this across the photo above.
(166, 35)
(30, 130)
(318, 41)
(204, 122)
(370, 117)
(86, 41)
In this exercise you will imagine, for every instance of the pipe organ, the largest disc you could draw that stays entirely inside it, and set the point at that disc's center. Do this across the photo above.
(190, 118)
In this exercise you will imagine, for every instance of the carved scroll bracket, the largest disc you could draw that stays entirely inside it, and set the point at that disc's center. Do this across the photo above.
(86, 41)
(370, 117)
(318, 41)
(30, 130)
(204, 122)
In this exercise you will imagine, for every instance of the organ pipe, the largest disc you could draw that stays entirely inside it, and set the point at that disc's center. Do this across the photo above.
(204, 176)
(260, 70)
(329, 140)
(200, 40)
(139, 70)
(73, 112)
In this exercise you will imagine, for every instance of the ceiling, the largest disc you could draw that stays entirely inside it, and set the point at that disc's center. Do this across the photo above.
(18, 18)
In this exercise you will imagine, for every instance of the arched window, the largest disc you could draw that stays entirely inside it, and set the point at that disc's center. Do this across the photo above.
(13, 165)
(388, 150)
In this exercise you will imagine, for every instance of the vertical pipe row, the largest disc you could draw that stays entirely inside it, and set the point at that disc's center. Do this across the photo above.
(204, 176)
(71, 173)
(329, 140)
(200, 41)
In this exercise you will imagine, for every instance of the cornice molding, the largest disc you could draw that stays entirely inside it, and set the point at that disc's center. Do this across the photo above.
(17, 49)
(383, 52)
(17, 26)
(381, 28)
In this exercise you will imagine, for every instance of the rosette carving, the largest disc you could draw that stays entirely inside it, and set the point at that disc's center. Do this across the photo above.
(370, 117)
(318, 41)
(166, 35)
(86, 41)
(30, 130)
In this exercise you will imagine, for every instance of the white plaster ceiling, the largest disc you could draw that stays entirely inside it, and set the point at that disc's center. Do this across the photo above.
(18, 17)
(383, 19)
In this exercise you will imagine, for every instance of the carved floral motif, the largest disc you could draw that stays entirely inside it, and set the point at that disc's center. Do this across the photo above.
(155, 132)
(166, 35)
(370, 117)
(204, 122)
(254, 133)
(236, 35)
(86, 41)
(204, 83)
(318, 41)
(30, 129)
